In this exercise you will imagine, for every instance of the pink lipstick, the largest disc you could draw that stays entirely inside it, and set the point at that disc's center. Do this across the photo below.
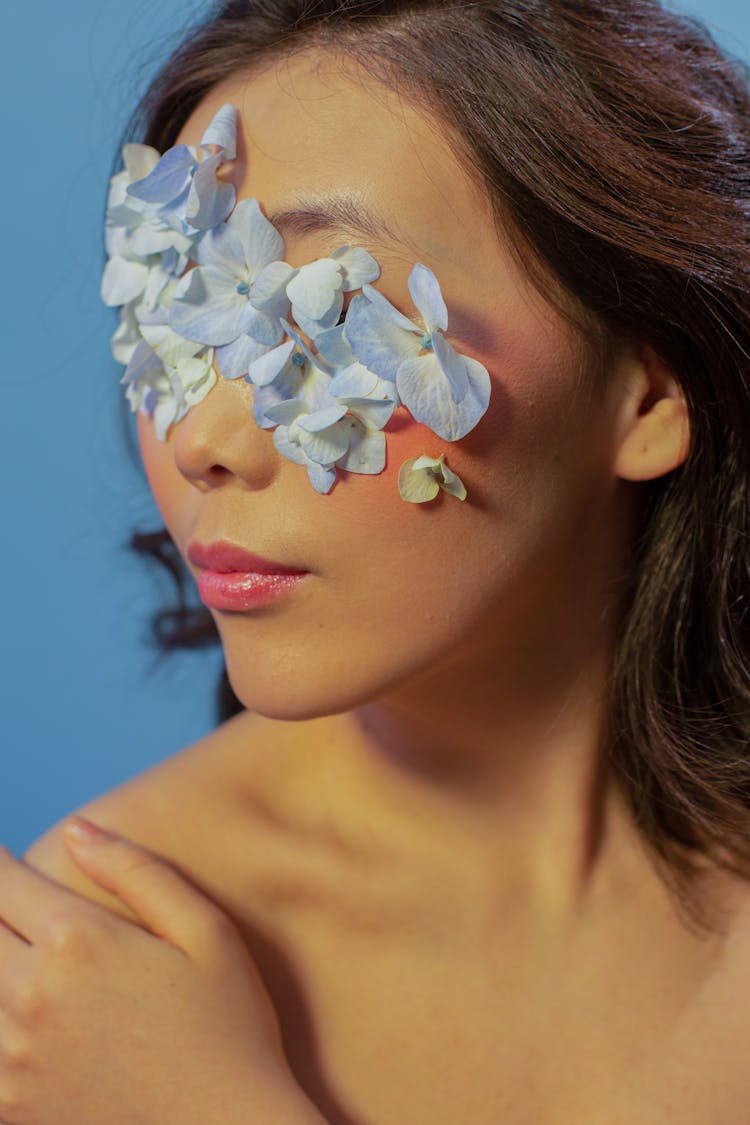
(237, 580)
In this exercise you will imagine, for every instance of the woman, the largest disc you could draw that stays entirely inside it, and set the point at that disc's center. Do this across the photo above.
(483, 826)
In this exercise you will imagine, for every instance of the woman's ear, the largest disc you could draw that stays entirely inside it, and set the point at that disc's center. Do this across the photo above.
(655, 425)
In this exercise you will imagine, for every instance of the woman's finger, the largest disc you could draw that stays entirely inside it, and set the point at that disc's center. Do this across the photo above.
(166, 901)
(28, 898)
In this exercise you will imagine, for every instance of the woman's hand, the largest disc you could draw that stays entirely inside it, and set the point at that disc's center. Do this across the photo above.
(105, 1023)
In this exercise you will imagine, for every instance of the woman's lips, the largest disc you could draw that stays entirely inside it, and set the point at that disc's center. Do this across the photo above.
(232, 578)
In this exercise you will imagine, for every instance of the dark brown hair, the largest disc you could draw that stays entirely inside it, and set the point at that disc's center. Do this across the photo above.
(613, 139)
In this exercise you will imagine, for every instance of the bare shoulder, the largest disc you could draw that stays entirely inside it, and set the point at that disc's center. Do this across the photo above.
(195, 808)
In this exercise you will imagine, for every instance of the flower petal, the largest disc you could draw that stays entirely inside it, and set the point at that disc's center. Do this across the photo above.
(426, 393)
(209, 200)
(366, 449)
(334, 346)
(207, 307)
(139, 160)
(389, 311)
(268, 290)
(235, 359)
(377, 341)
(261, 242)
(287, 448)
(322, 419)
(359, 267)
(416, 486)
(222, 131)
(452, 483)
(122, 281)
(267, 367)
(353, 381)
(426, 295)
(324, 446)
(321, 478)
(168, 179)
(314, 288)
(170, 347)
(452, 365)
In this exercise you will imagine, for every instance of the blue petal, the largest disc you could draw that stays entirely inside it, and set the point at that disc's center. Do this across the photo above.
(261, 242)
(285, 412)
(267, 368)
(389, 311)
(287, 448)
(222, 131)
(234, 359)
(168, 179)
(426, 295)
(426, 393)
(353, 381)
(268, 291)
(209, 200)
(321, 478)
(452, 365)
(299, 342)
(322, 419)
(312, 326)
(376, 340)
(207, 307)
(334, 346)
(222, 249)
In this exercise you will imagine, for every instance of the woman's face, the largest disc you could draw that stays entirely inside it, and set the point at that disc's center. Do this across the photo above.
(398, 592)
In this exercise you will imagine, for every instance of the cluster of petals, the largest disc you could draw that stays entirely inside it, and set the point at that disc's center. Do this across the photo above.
(202, 285)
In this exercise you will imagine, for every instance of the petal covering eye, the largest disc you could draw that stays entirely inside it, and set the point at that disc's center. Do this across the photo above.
(236, 310)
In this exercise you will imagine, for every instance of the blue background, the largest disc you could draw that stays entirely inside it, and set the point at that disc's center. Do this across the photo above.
(85, 705)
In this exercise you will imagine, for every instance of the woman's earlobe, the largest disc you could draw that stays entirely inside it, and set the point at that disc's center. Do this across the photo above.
(657, 431)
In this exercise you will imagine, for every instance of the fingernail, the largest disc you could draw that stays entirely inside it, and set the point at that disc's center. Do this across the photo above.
(81, 831)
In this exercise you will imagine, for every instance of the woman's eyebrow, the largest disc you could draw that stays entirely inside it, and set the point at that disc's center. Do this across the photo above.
(343, 213)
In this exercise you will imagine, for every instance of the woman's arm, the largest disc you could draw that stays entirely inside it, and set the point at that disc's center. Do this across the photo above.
(106, 1021)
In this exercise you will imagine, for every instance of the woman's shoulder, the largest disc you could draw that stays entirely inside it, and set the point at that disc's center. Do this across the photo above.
(188, 807)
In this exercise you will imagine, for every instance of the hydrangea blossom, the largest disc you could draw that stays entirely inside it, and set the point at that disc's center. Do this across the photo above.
(323, 426)
(202, 285)
(211, 302)
(183, 183)
(446, 391)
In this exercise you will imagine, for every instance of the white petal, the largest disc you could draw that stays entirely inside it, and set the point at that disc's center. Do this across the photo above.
(376, 340)
(314, 288)
(222, 131)
(359, 267)
(366, 450)
(266, 368)
(389, 311)
(123, 281)
(139, 160)
(323, 447)
(261, 242)
(426, 295)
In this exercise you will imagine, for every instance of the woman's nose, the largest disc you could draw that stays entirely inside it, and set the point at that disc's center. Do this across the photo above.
(218, 441)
